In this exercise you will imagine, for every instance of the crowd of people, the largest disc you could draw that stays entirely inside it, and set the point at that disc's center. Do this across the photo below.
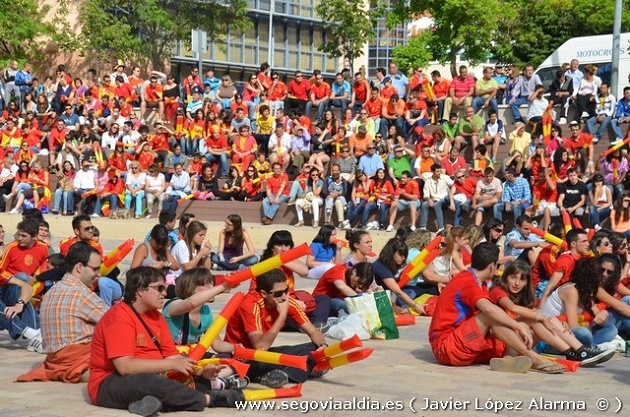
(516, 291)
(200, 138)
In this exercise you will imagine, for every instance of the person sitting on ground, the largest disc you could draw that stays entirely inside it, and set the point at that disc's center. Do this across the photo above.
(69, 313)
(193, 250)
(124, 375)
(485, 331)
(343, 281)
(230, 255)
(155, 252)
(189, 316)
(326, 252)
(256, 325)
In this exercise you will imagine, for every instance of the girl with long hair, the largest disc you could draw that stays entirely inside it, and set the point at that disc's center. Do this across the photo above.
(359, 196)
(312, 198)
(193, 251)
(620, 215)
(513, 292)
(382, 192)
(155, 252)
(230, 255)
(390, 261)
(601, 201)
(279, 242)
(343, 281)
(250, 186)
(578, 296)
(325, 252)
(614, 292)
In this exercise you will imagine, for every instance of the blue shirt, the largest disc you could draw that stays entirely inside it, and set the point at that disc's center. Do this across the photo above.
(340, 89)
(400, 82)
(322, 254)
(370, 164)
(213, 82)
(70, 121)
(516, 235)
(517, 190)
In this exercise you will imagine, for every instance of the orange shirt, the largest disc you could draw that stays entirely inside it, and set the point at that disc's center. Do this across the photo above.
(374, 107)
(359, 145)
(275, 183)
(64, 245)
(277, 92)
(154, 93)
(321, 91)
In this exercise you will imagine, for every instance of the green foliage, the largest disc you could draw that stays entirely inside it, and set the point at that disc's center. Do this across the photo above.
(348, 28)
(25, 28)
(415, 53)
(148, 29)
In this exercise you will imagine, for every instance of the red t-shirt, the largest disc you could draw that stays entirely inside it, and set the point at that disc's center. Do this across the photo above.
(361, 90)
(277, 92)
(274, 183)
(565, 264)
(467, 188)
(299, 90)
(457, 303)
(20, 259)
(544, 265)
(217, 144)
(411, 187)
(462, 87)
(374, 107)
(326, 284)
(64, 245)
(321, 91)
(120, 333)
(252, 315)
(583, 141)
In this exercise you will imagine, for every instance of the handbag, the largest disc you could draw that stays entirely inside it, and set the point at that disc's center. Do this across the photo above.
(378, 313)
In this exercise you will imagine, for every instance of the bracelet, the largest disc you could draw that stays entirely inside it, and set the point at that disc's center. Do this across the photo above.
(536, 316)
(324, 344)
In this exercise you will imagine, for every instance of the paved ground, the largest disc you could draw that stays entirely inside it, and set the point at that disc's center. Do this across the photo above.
(401, 371)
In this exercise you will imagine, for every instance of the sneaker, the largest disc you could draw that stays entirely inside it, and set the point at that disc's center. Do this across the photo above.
(590, 356)
(413, 228)
(146, 407)
(535, 223)
(440, 230)
(616, 141)
(607, 346)
(390, 228)
(562, 121)
(95, 215)
(234, 382)
(225, 398)
(5, 197)
(299, 224)
(35, 344)
(273, 379)
(503, 140)
(291, 202)
(14, 211)
(494, 161)
(595, 139)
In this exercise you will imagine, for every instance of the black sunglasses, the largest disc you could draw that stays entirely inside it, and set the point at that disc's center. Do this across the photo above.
(159, 288)
(278, 294)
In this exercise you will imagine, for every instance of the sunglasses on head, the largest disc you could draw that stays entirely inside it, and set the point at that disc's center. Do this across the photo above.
(280, 293)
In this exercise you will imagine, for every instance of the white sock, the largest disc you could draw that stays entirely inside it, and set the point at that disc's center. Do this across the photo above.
(30, 333)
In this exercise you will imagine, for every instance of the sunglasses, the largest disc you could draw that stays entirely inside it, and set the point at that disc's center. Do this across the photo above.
(461, 176)
(371, 148)
(498, 229)
(280, 293)
(158, 288)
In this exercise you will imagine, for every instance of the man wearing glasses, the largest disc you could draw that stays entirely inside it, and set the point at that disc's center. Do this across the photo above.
(370, 162)
(258, 321)
(298, 94)
(69, 313)
(369, 123)
(460, 195)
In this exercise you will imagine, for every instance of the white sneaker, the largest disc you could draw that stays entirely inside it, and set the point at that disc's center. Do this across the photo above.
(95, 215)
(413, 228)
(440, 230)
(607, 346)
(616, 141)
(14, 211)
(563, 121)
(621, 344)
(345, 224)
(595, 139)
(390, 228)
(535, 223)
(35, 344)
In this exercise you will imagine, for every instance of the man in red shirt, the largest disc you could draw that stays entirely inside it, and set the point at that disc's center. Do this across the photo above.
(461, 194)
(218, 149)
(83, 232)
(360, 92)
(453, 162)
(461, 91)
(374, 106)
(277, 193)
(579, 247)
(579, 139)
(22, 259)
(297, 96)
(153, 97)
(441, 87)
(408, 197)
(320, 91)
(467, 328)
(258, 321)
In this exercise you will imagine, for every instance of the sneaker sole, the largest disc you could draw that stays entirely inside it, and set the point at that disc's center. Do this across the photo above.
(146, 407)
(279, 381)
(597, 359)
(516, 364)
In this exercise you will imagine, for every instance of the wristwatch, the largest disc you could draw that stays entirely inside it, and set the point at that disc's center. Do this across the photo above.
(20, 301)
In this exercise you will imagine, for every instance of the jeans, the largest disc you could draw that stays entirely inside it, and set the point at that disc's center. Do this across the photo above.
(139, 196)
(337, 305)
(355, 209)
(595, 335)
(517, 209)
(516, 112)
(457, 221)
(109, 290)
(478, 102)
(614, 125)
(438, 206)
(223, 162)
(621, 322)
(321, 108)
(597, 216)
(227, 266)
(598, 133)
(67, 196)
(270, 209)
(341, 102)
(383, 209)
(9, 295)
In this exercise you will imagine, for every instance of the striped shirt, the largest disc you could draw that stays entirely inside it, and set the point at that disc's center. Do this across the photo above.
(68, 314)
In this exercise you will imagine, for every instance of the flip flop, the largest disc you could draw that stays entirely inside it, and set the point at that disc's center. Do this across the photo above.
(513, 364)
(549, 367)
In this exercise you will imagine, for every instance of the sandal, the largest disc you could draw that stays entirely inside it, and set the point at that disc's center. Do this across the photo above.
(549, 367)
(513, 364)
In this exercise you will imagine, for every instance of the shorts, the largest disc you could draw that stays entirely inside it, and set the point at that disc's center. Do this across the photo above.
(405, 204)
(553, 208)
(466, 345)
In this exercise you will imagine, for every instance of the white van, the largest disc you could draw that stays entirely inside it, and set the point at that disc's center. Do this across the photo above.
(596, 50)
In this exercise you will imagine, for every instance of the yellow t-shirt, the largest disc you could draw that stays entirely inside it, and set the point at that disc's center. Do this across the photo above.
(266, 125)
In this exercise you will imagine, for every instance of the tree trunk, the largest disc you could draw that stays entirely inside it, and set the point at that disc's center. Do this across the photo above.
(453, 54)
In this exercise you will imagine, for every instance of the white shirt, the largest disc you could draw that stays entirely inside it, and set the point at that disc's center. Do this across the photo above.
(131, 138)
(136, 182)
(85, 180)
(155, 183)
(6, 172)
(285, 143)
(437, 190)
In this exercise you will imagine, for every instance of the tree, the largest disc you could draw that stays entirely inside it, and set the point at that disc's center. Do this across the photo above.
(414, 54)
(460, 27)
(149, 29)
(348, 25)
(27, 25)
